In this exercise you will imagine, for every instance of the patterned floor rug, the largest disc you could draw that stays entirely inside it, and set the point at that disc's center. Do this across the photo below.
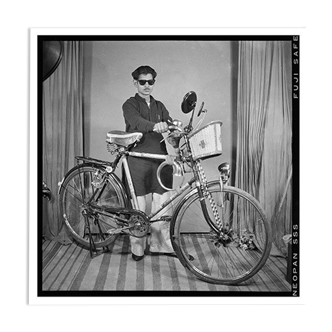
(70, 268)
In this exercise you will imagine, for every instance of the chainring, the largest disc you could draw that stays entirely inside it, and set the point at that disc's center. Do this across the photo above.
(139, 224)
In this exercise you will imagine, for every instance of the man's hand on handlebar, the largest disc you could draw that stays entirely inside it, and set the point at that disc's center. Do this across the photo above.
(160, 127)
(175, 126)
(174, 135)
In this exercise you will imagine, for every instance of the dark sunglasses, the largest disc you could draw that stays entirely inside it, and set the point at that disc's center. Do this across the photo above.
(143, 82)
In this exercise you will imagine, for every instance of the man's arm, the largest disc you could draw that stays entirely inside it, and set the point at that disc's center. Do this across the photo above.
(162, 127)
(165, 114)
(135, 119)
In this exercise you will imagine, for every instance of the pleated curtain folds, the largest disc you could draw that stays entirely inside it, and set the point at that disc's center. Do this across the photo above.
(264, 136)
(62, 130)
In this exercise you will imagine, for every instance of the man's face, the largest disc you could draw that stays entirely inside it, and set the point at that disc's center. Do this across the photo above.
(146, 89)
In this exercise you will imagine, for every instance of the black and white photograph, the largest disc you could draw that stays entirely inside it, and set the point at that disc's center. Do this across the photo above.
(168, 165)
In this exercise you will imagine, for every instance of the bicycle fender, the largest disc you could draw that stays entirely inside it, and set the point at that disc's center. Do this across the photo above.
(67, 175)
(113, 176)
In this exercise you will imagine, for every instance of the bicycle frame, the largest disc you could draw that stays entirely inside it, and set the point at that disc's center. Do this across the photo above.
(123, 155)
(179, 191)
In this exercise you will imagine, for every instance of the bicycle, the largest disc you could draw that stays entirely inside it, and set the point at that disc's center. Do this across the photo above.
(219, 232)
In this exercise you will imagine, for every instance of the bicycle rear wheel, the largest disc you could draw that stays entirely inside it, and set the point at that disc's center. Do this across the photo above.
(229, 259)
(81, 187)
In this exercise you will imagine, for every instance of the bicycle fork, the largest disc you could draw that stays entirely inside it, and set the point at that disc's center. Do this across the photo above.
(207, 194)
(220, 234)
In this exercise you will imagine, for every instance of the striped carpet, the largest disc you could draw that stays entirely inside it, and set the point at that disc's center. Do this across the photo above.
(69, 268)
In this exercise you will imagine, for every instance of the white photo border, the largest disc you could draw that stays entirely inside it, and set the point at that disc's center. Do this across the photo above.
(33, 166)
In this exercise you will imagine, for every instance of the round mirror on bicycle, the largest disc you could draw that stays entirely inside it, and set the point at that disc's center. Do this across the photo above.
(189, 102)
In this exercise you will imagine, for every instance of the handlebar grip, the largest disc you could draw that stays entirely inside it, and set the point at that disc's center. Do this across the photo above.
(172, 127)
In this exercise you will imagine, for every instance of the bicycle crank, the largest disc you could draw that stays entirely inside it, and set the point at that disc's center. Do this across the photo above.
(138, 224)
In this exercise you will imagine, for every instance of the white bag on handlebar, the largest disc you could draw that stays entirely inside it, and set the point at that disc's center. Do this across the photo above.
(206, 142)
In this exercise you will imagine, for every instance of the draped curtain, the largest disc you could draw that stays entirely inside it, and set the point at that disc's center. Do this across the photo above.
(264, 137)
(62, 130)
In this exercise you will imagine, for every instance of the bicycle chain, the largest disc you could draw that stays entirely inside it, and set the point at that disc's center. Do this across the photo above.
(209, 196)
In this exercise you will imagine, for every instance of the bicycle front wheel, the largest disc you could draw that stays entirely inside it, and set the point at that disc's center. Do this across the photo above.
(225, 255)
(82, 187)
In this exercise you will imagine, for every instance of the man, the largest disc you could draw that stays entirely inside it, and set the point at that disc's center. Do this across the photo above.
(142, 113)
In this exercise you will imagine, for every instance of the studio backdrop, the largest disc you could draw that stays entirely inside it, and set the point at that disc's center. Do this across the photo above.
(264, 135)
(62, 130)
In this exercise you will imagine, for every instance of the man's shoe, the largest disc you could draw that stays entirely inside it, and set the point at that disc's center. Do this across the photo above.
(137, 258)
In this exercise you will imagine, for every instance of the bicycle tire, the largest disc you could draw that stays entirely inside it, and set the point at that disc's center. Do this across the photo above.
(198, 247)
(76, 190)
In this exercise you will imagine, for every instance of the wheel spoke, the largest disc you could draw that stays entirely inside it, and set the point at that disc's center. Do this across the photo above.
(219, 258)
(77, 191)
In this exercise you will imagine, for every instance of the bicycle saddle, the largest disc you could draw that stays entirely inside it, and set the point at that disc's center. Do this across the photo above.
(122, 138)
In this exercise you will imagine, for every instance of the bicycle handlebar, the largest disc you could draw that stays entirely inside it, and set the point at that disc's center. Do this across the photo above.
(173, 127)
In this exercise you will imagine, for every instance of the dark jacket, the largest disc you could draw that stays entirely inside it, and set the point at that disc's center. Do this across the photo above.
(140, 118)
